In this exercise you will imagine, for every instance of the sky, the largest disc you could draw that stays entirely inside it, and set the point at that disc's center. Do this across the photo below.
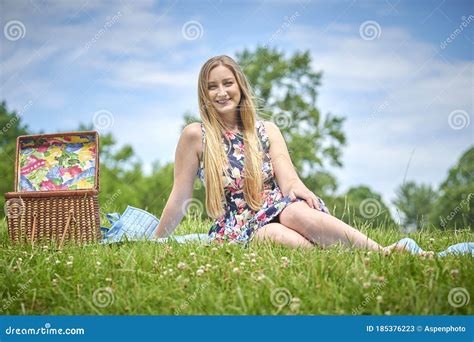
(401, 72)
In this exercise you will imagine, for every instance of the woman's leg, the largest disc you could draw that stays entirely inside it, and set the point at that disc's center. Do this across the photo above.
(323, 229)
(278, 233)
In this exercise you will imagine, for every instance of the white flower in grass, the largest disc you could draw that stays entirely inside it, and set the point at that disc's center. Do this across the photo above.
(181, 265)
(236, 270)
(379, 299)
(192, 254)
(285, 261)
(199, 272)
(295, 304)
(98, 263)
(69, 263)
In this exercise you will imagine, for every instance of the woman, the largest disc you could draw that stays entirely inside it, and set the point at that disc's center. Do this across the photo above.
(252, 189)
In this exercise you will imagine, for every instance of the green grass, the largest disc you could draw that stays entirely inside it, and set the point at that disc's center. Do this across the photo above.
(143, 278)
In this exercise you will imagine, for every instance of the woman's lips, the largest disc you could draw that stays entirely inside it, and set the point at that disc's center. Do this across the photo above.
(223, 103)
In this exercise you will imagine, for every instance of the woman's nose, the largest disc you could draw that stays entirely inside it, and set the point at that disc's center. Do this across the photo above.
(221, 91)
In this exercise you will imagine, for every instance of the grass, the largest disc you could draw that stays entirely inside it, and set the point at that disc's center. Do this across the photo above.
(145, 278)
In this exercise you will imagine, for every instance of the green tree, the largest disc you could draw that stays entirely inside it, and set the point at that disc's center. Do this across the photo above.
(454, 207)
(361, 206)
(416, 203)
(11, 127)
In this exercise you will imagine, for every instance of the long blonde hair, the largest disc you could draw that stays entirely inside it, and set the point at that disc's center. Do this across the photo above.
(215, 159)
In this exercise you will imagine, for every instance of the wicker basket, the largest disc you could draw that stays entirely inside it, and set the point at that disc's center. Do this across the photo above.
(52, 215)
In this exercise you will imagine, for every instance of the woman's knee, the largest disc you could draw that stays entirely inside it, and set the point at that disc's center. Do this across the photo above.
(299, 215)
(278, 233)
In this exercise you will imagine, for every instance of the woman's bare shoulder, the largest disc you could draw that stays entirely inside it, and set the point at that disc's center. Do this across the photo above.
(192, 131)
(192, 136)
(271, 128)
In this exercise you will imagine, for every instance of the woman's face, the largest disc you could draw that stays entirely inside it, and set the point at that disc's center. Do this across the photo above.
(224, 92)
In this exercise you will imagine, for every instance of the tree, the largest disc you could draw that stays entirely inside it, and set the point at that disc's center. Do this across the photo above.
(11, 127)
(416, 203)
(454, 207)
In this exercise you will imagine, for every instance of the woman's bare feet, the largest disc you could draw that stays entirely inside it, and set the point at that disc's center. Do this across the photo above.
(407, 246)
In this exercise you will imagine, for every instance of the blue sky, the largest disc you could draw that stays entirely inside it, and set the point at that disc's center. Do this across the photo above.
(400, 71)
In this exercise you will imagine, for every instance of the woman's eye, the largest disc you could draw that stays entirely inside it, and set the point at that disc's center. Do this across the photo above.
(229, 83)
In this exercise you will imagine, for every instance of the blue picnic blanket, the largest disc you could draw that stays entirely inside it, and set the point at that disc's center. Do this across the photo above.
(459, 248)
(138, 225)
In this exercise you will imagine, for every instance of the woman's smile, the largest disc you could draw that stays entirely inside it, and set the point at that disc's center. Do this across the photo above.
(223, 102)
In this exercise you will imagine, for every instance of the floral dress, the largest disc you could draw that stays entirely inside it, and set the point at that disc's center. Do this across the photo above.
(239, 222)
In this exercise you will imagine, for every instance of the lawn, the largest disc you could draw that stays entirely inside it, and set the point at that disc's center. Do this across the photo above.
(146, 278)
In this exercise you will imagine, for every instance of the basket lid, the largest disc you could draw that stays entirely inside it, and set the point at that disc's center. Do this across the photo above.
(59, 161)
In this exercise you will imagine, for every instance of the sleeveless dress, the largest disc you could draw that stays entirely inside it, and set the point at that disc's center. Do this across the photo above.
(239, 222)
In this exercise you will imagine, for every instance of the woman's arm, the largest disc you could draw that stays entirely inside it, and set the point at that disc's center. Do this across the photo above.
(185, 168)
(285, 173)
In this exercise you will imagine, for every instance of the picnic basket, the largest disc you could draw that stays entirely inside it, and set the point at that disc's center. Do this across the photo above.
(56, 189)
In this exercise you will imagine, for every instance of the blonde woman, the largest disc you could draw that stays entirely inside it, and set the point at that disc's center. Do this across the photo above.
(252, 189)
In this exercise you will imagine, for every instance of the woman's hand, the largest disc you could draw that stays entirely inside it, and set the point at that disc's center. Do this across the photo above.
(298, 189)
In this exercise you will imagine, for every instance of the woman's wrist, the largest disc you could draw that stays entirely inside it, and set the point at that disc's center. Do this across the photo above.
(291, 183)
